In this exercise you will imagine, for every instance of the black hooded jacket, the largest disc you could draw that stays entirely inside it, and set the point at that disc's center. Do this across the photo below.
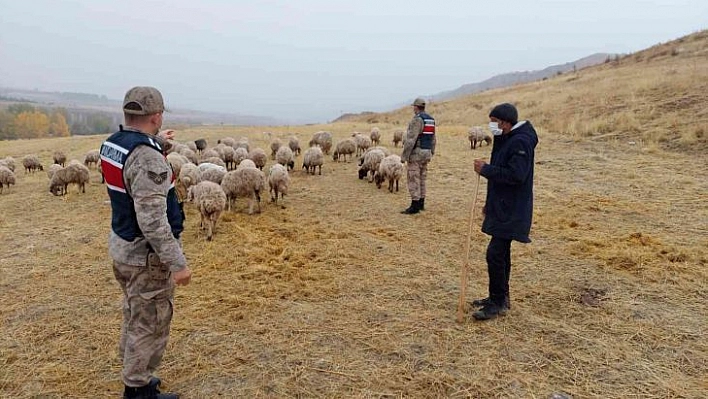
(509, 205)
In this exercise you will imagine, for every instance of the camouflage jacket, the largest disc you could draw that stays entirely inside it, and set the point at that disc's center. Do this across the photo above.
(150, 200)
(412, 153)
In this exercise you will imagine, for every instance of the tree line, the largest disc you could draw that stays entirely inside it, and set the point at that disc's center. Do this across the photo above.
(26, 121)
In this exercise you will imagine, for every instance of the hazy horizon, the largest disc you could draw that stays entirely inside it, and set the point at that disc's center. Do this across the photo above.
(313, 60)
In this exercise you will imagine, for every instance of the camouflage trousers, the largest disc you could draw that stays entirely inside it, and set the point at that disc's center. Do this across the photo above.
(417, 174)
(147, 313)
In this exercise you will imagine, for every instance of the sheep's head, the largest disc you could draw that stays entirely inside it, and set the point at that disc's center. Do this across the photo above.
(291, 165)
(190, 194)
(362, 173)
(378, 179)
(56, 188)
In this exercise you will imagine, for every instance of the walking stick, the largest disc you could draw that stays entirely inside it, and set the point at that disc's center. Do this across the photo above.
(465, 265)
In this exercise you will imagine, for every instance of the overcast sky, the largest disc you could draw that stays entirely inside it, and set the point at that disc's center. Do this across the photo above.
(310, 60)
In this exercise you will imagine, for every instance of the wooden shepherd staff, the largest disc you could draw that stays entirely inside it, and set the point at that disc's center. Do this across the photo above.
(466, 264)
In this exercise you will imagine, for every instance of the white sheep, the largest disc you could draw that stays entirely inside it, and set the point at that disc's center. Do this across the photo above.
(191, 145)
(211, 172)
(59, 157)
(214, 160)
(189, 175)
(285, 157)
(397, 137)
(229, 141)
(369, 163)
(477, 135)
(210, 200)
(245, 181)
(294, 145)
(176, 160)
(52, 169)
(73, 173)
(246, 163)
(322, 139)
(274, 147)
(279, 182)
(209, 153)
(362, 143)
(344, 148)
(92, 157)
(7, 177)
(228, 154)
(31, 163)
(390, 168)
(258, 156)
(375, 135)
(243, 143)
(312, 159)
(8, 162)
(239, 155)
(189, 154)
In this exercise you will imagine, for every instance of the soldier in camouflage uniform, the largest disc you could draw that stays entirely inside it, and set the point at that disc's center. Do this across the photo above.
(144, 242)
(418, 150)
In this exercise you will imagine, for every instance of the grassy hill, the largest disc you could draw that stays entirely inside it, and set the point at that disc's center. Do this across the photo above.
(656, 96)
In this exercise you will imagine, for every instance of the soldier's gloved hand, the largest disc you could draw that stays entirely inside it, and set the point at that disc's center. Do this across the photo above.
(183, 276)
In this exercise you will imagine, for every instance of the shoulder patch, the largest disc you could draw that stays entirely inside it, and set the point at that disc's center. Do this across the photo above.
(157, 178)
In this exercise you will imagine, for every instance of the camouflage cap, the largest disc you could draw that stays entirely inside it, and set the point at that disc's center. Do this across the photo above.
(143, 100)
(419, 102)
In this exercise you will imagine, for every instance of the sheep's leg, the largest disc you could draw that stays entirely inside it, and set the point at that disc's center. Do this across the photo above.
(396, 185)
(258, 199)
(83, 188)
(209, 229)
(320, 170)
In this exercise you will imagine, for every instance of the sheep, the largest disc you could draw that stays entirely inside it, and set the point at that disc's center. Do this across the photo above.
(200, 145)
(312, 159)
(397, 137)
(211, 172)
(228, 157)
(188, 176)
(243, 143)
(274, 147)
(59, 157)
(192, 146)
(285, 157)
(279, 181)
(91, 157)
(8, 162)
(245, 181)
(477, 135)
(209, 153)
(370, 163)
(7, 177)
(239, 155)
(220, 149)
(322, 139)
(173, 146)
(294, 145)
(189, 154)
(214, 160)
(246, 163)
(52, 169)
(31, 163)
(210, 199)
(390, 168)
(73, 173)
(344, 148)
(258, 156)
(375, 135)
(362, 143)
(176, 161)
(229, 141)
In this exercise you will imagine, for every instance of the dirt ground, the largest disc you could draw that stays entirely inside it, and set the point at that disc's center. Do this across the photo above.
(339, 295)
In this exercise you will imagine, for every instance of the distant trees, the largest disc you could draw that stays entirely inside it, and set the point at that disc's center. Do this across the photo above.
(25, 121)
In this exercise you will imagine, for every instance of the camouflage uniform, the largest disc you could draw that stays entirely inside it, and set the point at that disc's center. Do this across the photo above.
(417, 159)
(144, 276)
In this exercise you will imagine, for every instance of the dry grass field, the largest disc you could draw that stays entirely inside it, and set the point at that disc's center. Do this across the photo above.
(339, 295)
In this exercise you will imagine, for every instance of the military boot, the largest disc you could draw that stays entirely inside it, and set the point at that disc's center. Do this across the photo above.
(421, 203)
(149, 391)
(414, 208)
(478, 303)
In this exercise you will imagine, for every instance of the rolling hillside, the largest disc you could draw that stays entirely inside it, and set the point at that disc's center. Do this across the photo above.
(656, 96)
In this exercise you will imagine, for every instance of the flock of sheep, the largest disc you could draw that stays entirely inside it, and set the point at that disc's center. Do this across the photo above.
(214, 177)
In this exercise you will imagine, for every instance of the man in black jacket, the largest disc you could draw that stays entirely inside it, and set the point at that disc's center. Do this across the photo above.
(509, 205)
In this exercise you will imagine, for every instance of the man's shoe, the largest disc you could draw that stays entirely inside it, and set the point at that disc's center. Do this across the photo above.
(489, 312)
(421, 204)
(414, 208)
(149, 391)
(478, 303)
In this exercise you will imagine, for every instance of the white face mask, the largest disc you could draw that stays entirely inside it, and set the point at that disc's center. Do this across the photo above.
(494, 128)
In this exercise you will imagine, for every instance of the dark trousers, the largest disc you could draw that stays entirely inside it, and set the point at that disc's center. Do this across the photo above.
(499, 269)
